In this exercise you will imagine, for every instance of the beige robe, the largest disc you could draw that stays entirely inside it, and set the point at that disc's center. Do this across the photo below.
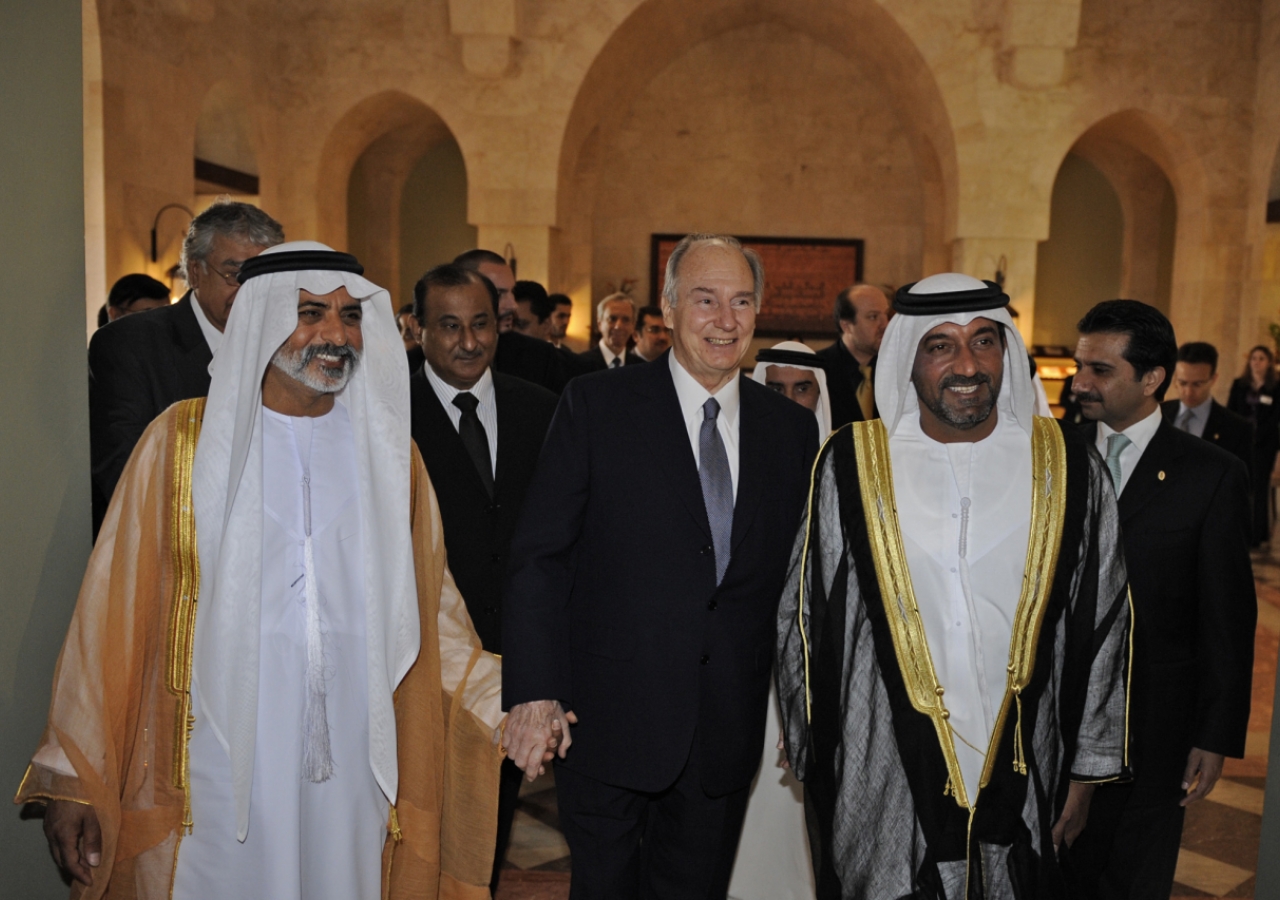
(120, 713)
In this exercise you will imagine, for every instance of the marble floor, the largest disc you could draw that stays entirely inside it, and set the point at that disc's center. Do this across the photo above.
(1219, 842)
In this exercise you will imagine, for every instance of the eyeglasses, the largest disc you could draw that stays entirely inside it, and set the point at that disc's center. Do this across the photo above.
(656, 329)
(228, 277)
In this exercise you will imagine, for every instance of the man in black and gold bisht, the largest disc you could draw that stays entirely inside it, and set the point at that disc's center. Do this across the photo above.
(954, 637)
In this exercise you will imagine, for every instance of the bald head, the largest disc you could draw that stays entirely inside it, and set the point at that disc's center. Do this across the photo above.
(862, 312)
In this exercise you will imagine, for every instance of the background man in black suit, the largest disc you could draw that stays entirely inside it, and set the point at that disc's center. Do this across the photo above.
(479, 433)
(133, 294)
(140, 365)
(664, 671)
(517, 354)
(616, 319)
(560, 318)
(862, 312)
(1196, 412)
(653, 337)
(533, 310)
(1184, 507)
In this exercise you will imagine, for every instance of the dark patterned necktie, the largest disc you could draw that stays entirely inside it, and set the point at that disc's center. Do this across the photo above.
(717, 485)
(474, 438)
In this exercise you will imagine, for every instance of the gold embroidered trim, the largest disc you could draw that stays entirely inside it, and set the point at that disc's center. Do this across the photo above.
(1048, 514)
(188, 418)
(42, 797)
(1048, 508)
(875, 475)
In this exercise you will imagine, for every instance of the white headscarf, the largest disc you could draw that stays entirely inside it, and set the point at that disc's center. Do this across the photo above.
(823, 412)
(227, 493)
(896, 396)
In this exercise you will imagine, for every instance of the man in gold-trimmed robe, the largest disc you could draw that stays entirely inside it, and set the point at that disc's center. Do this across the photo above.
(953, 639)
(270, 685)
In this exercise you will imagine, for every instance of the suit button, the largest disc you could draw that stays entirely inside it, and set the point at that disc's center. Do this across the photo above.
(497, 558)
(707, 550)
(491, 508)
(705, 659)
(712, 605)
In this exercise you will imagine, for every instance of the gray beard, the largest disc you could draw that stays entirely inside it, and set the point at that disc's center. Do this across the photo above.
(297, 365)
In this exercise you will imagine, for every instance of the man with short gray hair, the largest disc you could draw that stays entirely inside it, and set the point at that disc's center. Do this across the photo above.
(616, 321)
(140, 365)
(663, 675)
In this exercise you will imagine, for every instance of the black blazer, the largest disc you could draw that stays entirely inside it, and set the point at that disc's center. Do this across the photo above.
(593, 359)
(1224, 428)
(629, 630)
(843, 377)
(1266, 417)
(1184, 515)
(477, 529)
(531, 359)
(139, 366)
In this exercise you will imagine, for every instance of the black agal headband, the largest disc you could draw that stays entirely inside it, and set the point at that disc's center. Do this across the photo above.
(989, 297)
(298, 261)
(789, 358)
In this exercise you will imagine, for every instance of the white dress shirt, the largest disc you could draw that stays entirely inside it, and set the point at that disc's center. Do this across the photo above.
(1199, 416)
(1139, 435)
(486, 411)
(610, 356)
(212, 336)
(965, 514)
(692, 395)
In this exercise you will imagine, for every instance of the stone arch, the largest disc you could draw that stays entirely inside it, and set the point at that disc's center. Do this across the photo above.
(399, 121)
(658, 32)
(1143, 157)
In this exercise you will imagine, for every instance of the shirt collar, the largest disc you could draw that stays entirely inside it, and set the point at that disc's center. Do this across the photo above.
(482, 390)
(693, 395)
(1139, 433)
(609, 355)
(1197, 412)
(212, 336)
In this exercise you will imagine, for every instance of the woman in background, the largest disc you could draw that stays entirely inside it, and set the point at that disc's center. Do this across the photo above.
(1254, 396)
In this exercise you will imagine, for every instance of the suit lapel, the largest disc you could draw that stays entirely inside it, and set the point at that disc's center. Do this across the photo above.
(658, 417)
(195, 349)
(446, 444)
(506, 412)
(1213, 424)
(753, 429)
(1151, 475)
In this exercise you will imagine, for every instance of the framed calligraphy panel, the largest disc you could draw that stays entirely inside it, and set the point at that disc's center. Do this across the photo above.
(802, 277)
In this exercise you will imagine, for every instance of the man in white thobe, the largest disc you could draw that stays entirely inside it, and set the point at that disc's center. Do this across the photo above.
(952, 663)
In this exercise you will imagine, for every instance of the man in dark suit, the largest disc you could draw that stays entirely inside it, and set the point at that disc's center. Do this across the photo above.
(616, 319)
(1184, 512)
(862, 312)
(653, 337)
(140, 365)
(1196, 412)
(663, 674)
(479, 433)
(517, 354)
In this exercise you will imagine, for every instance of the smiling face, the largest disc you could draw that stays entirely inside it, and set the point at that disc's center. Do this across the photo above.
(618, 325)
(459, 333)
(714, 316)
(957, 375)
(318, 359)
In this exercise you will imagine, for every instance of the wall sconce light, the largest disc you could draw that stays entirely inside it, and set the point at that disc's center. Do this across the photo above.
(510, 253)
(156, 223)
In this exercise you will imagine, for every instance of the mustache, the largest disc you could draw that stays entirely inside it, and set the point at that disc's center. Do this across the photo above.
(345, 352)
(964, 381)
(1086, 397)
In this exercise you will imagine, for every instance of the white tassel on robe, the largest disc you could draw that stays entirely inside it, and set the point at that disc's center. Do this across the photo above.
(317, 756)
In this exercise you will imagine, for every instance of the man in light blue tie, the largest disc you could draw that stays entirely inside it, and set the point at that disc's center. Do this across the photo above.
(653, 681)
(1184, 513)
